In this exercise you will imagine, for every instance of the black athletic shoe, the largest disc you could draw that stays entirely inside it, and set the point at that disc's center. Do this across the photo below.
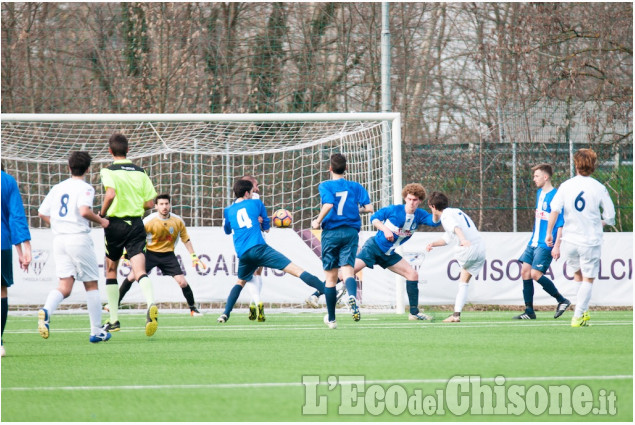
(525, 316)
(561, 308)
(112, 327)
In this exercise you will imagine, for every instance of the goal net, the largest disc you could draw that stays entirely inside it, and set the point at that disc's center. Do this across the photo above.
(197, 158)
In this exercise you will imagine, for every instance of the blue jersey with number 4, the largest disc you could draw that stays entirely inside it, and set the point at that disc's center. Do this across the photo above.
(401, 224)
(346, 197)
(242, 218)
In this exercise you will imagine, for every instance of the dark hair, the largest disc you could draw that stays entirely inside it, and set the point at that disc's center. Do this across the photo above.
(241, 187)
(118, 144)
(338, 163)
(545, 168)
(249, 177)
(438, 200)
(78, 162)
(584, 161)
(163, 196)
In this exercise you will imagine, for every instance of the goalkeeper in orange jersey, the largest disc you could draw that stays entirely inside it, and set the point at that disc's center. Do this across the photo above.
(164, 229)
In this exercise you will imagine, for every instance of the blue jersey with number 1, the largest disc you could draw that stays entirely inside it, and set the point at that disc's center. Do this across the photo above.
(242, 218)
(346, 197)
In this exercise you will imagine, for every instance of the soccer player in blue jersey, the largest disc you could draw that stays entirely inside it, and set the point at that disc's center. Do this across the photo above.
(395, 225)
(242, 218)
(537, 257)
(342, 202)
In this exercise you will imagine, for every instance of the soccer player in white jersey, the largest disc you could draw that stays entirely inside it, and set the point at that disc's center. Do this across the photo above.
(537, 257)
(580, 198)
(68, 208)
(254, 285)
(470, 247)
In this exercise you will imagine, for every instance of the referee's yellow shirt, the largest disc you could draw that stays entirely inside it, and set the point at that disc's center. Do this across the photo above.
(162, 234)
(132, 187)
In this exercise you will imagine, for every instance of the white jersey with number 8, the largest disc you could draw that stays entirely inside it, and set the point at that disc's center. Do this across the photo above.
(582, 197)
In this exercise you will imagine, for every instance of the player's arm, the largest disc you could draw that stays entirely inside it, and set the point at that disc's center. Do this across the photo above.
(323, 212)
(463, 241)
(108, 198)
(553, 216)
(428, 220)
(88, 213)
(608, 209)
(438, 242)
(555, 251)
(148, 205)
(195, 260)
(45, 218)
(365, 209)
(379, 225)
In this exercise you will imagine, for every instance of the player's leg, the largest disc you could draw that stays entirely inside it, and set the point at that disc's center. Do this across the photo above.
(528, 285)
(247, 265)
(93, 305)
(231, 299)
(347, 239)
(5, 311)
(7, 280)
(589, 267)
(115, 236)
(188, 294)
(330, 295)
(53, 300)
(136, 246)
(461, 297)
(126, 285)
(254, 286)
(540, 265)
(403, 268)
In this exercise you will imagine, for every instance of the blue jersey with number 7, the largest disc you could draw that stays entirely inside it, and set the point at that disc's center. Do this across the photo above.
(242, 218)
(346, 197)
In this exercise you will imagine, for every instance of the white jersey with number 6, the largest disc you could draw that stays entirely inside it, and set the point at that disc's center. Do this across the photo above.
(62, 204)
(582, 197)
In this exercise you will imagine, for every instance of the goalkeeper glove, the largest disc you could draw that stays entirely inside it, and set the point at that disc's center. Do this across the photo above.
(197, 262)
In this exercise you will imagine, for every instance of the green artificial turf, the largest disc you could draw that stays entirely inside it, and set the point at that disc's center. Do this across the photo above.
(194, 369)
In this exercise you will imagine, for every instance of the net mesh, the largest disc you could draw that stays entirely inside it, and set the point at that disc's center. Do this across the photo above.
(198, 162)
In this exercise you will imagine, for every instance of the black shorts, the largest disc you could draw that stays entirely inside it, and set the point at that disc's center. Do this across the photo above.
(127, 232)
(165, 261)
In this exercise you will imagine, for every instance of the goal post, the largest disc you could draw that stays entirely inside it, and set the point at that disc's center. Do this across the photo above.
(197, 157)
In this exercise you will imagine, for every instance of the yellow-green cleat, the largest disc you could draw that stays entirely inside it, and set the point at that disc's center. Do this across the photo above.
(577, 322)
(151, 320)
(586, 317)
(261, 312)
(253, 311)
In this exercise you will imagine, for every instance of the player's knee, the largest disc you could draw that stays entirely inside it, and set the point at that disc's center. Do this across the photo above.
(412, 275)
(535, 274)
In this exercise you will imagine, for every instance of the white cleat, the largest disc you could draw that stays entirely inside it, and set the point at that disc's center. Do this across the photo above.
(330, 324)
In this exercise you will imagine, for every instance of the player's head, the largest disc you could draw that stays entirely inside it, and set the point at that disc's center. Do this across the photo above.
(413, 195)
(241, 187)
(118, 145)
(162, 202)
(542, 174)
(338, 163)
(253, 181)
(438, 200)
(78, 162)
(585, 160)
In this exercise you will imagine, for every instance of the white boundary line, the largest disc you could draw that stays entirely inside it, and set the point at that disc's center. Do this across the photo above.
(299, 384)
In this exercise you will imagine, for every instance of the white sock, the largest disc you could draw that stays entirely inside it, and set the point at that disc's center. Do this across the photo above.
(53, 301)
(584, 297)
(93, 304)
(254, 286)
(461, 297)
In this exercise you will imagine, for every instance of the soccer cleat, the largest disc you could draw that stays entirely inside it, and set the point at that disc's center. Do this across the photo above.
(111, 327)
(194, 312)
(43, 322)
(253, 311)
(577, 322)
(420, 316)
(525, 316)
(340, 293)
(222, 319)
(352, 303)
(331, 324)
(452, 319)
(313, 301)
(586, 317)
(151, 320)
(561, 308)
(103, 336)
(261, 312)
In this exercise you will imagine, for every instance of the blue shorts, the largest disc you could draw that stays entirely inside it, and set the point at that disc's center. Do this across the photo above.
(339, 247)
(7, 267)
(260, 256)
(371, 255)
(539, 258)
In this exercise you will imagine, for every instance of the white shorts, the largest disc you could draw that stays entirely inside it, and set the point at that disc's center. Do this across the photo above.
(583, 258)
(471, 258)
(75, 257)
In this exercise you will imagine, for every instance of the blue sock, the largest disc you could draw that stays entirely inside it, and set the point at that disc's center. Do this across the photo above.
(232, 298)
(528, 295)
(312, 281)
(412, 288)
(331, 298)
(351, 286)
(550, 288)
(5, 312)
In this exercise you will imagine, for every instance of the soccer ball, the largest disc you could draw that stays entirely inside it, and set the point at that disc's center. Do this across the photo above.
(282, 218)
